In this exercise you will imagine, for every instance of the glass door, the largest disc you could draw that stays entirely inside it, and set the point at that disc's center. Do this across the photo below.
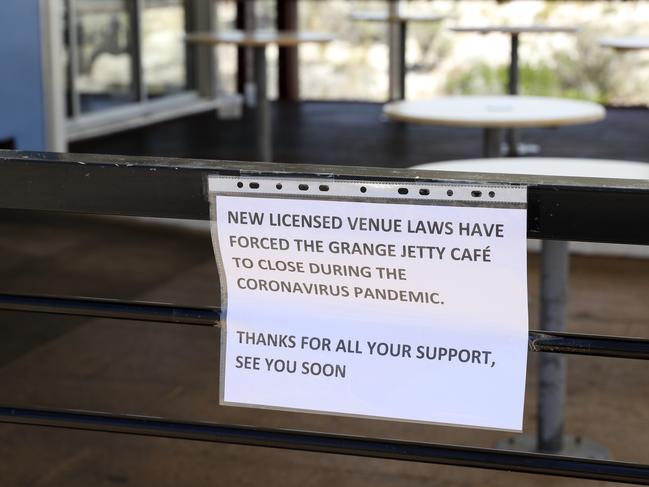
(100, 46)
(121, 54)
(163, 47)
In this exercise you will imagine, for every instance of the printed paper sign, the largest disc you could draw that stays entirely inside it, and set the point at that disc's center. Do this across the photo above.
(390, 308)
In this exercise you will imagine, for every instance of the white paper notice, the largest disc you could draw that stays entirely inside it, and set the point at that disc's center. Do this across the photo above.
(396, 310)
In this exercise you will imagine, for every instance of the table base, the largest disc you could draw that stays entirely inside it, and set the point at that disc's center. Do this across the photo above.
(520, 149)
(264, 131)
(492, 142)
(493, 145)
(397, 65)
(574, 446)
(515, 147)
(555, 269)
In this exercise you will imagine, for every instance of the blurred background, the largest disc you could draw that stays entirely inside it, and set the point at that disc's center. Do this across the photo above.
(93, 67)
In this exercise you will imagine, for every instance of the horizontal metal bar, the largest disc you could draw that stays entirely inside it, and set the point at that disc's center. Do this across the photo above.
(568, 343)
(108, 308)
(335, 444)
(593, 345)
(561, 208)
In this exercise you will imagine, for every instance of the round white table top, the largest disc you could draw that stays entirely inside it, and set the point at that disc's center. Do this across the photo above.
(625, 43)
(517, 29)
(258, 38)
(496, 111)
(387, 17)
(547, 166)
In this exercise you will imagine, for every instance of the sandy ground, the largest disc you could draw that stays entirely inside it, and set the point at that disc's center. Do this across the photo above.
(169, 370)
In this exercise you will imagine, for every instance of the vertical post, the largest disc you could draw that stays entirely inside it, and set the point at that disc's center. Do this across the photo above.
(240, 24)
(513, 139)
(393, 8)
(201, 59)
(135, 13)
(552, 367)
(396, 33)
(74, 98)
(403, 35)
(53, 86)
(289, 82)
(264, 134)
(246, 20)
(250, 87)
(513, 66)
(491, 142)
(191, 75)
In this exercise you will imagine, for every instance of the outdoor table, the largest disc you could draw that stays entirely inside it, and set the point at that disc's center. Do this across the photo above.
(398, 21)
(625, 43)
(547, 166)
(495, 112)
(554, 284)
(515, 147)
(258, 40)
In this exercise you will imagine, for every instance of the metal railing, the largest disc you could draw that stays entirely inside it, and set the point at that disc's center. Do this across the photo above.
(583, 209)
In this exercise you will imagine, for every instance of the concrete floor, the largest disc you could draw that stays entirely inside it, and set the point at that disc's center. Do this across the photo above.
(170, 370)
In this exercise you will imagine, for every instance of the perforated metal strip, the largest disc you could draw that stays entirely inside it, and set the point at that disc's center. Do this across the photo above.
(345, 189)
